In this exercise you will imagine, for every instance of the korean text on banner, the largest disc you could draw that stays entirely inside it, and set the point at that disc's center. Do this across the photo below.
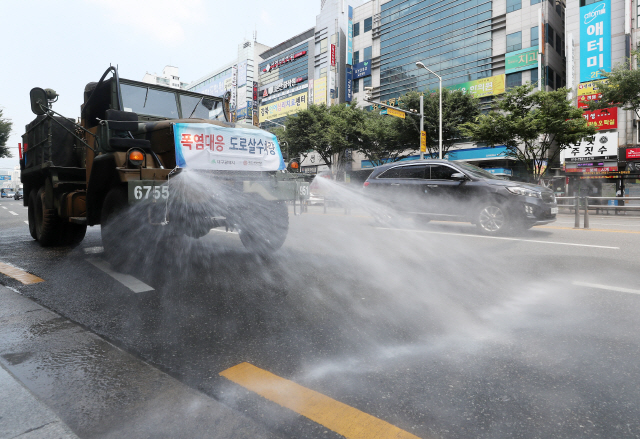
(207, 146)
(602, 146)
(283, 107)
(520, 60)
(595, 40)
(350, 37)
(493, 85)
(320, 91)
(349, 85)
(588, 91)
(362, 69)
(604, 119)
(423, 141)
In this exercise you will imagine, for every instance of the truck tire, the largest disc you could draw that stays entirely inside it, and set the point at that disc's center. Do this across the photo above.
(47, 222)
(265, 227)
(31, 213)
(72, 234)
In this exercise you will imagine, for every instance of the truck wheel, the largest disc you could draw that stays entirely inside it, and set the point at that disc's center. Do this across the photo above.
(73, 234)
(47, 222)
(31, 213)
(265, 228)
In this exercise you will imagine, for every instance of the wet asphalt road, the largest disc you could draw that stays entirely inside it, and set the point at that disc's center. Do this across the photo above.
(428, 327)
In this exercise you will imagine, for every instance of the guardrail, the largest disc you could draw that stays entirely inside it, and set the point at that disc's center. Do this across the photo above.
(577, 205)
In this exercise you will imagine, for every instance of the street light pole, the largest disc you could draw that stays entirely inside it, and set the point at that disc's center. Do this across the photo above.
(419, 64)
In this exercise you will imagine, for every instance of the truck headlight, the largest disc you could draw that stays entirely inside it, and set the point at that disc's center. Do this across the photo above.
(526, 192)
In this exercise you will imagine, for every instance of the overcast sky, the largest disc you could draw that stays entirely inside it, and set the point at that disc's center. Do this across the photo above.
(66, 44)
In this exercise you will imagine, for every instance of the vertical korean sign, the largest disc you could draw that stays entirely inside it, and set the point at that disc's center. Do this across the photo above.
(595, 40)
(333, 55)
(349, 84)
(350, 38)
(234, 84)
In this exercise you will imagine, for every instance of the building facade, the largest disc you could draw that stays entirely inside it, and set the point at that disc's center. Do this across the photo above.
(170, 78)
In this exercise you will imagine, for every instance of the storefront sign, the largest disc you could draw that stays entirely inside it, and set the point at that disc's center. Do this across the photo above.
(497, 152)
(350, 37)
(588, 91)
(593, 170)
(311, 91)
(320, 91)
(287, 59)
(499, 171)
(284, 107)
(633, 154)
(243, 113)
(595, 40)
(283, 85)
(520, 60)
(279, 95)
(362, 69)
(605, 119)
(234, 83)
(349, 85)
(333, 55)
(493, 85)
(602, 146)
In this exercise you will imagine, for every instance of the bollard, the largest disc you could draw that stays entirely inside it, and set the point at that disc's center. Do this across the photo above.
(586, 212)
(577, 212)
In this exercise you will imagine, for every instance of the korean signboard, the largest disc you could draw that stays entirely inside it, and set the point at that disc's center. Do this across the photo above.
(283, 107)
(282, 85)
(234, 82)
(205, 146)
(311, 90)
(599, 147)
(320, 91)
(520, 60)
(493, 85)
(605, 119)
(362, 69)
(349, 85)
(333, 55)
(595, 40)
(633, 154)
(350, 37)
(588, 91)
(287, 59)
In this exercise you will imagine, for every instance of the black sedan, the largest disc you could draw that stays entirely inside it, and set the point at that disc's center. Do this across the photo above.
(457, 191)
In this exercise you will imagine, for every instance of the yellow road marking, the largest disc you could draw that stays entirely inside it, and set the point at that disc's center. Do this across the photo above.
(589, 230)
(19, 275)
(341, 418)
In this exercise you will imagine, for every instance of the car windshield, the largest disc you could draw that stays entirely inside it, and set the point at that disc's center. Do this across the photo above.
(477, 172)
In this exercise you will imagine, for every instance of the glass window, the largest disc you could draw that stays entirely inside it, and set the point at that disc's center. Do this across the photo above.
(413, 171)
(323, 72)
(534, 36)
(534, 76)
(367, 53)
(356, 57)
(514, 79)
(356, 85)
(558, 44)
(513, 5)
(442, 172)
(559, 82)
(193, 107)
(535, 2)
(550, 34)
(366, 81)
(145, 100)
(356, 29)
(514, 41)
(367, 24)
(323, 45)
(391, 173)
(551, 78)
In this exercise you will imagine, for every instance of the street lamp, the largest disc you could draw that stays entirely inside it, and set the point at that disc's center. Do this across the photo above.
(419, 64)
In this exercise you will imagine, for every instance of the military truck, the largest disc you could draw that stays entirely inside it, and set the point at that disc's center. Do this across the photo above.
(147, 161)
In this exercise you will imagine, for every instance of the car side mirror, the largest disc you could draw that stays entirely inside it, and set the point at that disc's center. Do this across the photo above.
(458, 176)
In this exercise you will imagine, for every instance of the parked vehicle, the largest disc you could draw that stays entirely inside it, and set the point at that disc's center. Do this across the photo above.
(133, 140)
(8, 193)
(456, 191)
(19, 195)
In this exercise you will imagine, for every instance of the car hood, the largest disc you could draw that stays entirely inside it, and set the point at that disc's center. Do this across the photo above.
(507, 183)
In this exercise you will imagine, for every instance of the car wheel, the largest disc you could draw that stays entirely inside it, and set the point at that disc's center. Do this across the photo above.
(492, 219)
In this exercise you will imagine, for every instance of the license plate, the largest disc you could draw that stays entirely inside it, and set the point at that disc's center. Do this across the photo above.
(554, 210)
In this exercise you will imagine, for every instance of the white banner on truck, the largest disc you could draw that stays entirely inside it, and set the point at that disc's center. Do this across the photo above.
(206, 146)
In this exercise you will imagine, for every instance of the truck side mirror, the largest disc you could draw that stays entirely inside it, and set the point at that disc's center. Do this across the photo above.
(39, 101)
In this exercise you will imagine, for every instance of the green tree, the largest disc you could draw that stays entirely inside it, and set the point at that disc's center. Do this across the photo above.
(5, 130)
(457, 108)
(308, 131)
(622, 88)
(534, 127)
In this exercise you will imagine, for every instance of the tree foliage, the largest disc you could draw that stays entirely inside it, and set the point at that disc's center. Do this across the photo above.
(5, 130)
(533, 126)
(622, 88)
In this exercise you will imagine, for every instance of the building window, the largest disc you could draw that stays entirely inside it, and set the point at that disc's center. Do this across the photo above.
(534, 36)
(356, 85)
(367, 53)
(323, 72)
(514, 79)
(356, 57)
(513, 5)
(367, 24)
(323, 45)
(356, 29)
(559, 45)
(535, 2)
(550, 34)
(551, 78)
(534, 77)
(559, 81)
(366, 81)
(514, 41)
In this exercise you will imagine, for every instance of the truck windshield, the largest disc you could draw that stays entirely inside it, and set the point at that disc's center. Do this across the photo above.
(200, 108)
(145, 100)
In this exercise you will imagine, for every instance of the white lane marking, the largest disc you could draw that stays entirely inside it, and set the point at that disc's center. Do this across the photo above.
(93, 250)
(223, 231)
(3, 207)
(12, 213)
(606, 287)
(26, 222)
(500, 237)
(135, 285)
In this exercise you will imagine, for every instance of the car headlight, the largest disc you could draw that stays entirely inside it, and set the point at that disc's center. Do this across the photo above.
(520, 190)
